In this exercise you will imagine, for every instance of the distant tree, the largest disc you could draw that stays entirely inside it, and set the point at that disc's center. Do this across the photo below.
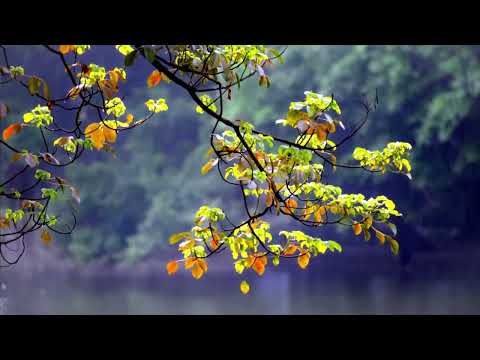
(274, 175)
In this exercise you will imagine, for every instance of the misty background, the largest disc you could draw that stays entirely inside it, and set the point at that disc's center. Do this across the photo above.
(114, 263)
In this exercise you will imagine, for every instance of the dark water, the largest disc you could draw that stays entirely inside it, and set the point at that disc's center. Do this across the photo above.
(276, 293)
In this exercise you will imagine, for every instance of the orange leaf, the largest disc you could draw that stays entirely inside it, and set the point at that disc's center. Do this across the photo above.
(189, 262)
(259, 266)
(46, 237)
(380, 236)
(129, 118)
(65, 49)
(290, 250)
(95, 133)
(172, 267)
(290, 205)
(319, 213)
(110, 134)
(269, 199)
(11, 130)
(215, 241)
(303, 260)
(154, 79)
(203, 264)
(357, 229)
(197, 271)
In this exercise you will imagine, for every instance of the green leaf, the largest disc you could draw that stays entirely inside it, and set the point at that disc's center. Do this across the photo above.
(149, 54)
(392, 227)
(130, 58)
(34, 85)
(175, 238)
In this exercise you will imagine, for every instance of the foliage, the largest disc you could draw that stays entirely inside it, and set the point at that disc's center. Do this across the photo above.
(281, 175)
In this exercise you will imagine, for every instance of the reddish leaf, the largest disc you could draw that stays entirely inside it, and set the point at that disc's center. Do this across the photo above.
(11, 130)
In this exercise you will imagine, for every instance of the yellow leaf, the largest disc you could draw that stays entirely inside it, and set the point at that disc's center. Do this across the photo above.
(394, 247)
(368, 222)
(172, 267)
(244, 287)
(154, 79)
(303, 260)
(366, 235)
(357, 229)
(187, 244)
(177, 237)
(46, 237)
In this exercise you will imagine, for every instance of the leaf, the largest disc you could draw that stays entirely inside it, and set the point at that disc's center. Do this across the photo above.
(31, 160)
(110, 134)
(34, 85)
(3, 111)
(244, 287)
(215, 243)
(130, 58)
(11, 131)
(290, 250)
(154, 79)
(269, 199)
(129, 118)
(357, 229)
(46, 90)
(259, 266)
(380, 236)
(172, 267)
(175, 238)
(189, 262)
(368, 222)
(75, 194)
(203, 264)
(46, 237)
(197, 270)
(290, 204)
(394, 247)
(65, 49)
(208, 166)
(49, 158)
(95, 133)
(149, 54)
(367, 235)
(393, 228)
(303, 260)
(319, 213)
(334, 245)
(75, 91)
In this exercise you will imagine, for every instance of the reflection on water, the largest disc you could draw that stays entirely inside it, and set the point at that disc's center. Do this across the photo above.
(276, 293)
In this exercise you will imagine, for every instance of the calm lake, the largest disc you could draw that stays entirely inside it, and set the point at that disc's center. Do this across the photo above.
(320, 291)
